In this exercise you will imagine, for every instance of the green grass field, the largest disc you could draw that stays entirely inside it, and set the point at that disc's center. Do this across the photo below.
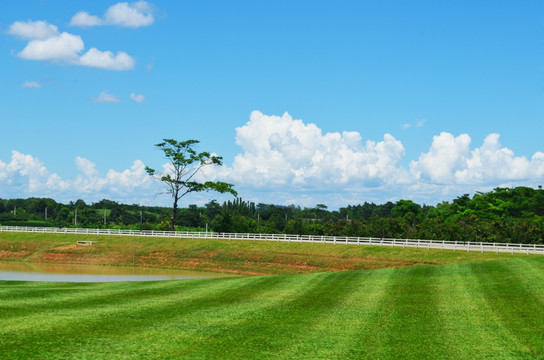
(481, 310)
(238, 257)
(393, 303)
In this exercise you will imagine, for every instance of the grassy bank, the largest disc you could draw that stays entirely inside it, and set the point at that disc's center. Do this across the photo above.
(241, 257)
(481, 310)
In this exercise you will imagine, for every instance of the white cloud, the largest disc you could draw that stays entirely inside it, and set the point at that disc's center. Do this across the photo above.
(31, 85)
(420, 122)
(139, 98)
(283, 159)
(83, 19)
(123, 14)
(281, 151)
(416, 123)
(106, 97)
(286, 161)
(130, 15)
(450, 161)
(446, 155)
(63, 47)
(26, 175)
(46, 44)
(119, 182)
(106, 60)
(33, 30)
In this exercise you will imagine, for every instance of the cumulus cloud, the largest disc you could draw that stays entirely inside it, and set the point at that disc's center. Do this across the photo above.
(83, 19)
(63, 47)
(127, 181)
(105, 97)
(33, 30)
(139, 98)
(282, 151)
(106, 60)
(47, 44)
(26, 175)
(31, 85)
(451, 161)
(123, 14)
(286, 161)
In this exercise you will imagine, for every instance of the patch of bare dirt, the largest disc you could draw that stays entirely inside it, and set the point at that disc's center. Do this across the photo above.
(66, 247)
(7, 254)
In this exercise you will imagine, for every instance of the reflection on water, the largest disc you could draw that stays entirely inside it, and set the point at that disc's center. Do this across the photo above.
(20, 271)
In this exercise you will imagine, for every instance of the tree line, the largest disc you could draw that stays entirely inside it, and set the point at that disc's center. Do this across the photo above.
(502, 215)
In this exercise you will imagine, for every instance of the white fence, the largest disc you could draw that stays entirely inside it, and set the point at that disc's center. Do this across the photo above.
(347, 240)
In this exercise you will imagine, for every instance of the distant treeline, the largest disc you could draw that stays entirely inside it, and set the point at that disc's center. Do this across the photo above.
(502, 215)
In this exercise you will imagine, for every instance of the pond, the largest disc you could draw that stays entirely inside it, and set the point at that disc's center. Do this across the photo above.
(21, 271)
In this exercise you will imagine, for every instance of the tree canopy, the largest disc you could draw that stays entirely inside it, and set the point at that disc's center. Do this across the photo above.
(184, 163)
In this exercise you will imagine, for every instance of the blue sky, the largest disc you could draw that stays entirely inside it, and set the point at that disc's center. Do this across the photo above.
(307, 101)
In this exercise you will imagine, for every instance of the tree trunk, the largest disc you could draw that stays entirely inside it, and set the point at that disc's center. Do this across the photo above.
(174, 212)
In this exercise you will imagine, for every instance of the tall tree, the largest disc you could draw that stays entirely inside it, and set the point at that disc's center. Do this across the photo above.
(184, 163)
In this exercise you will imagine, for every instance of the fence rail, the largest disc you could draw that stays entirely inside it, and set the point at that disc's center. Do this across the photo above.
(347, 240)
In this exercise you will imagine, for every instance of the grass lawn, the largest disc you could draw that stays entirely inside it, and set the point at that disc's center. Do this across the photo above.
(478, 310)
(239, 257)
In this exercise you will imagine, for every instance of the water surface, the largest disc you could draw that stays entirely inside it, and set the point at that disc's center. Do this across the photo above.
(21, 271)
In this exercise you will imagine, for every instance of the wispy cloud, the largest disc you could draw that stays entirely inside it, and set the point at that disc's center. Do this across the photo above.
(32, 85)
(139, 98)
(416, 123)
(105, 97)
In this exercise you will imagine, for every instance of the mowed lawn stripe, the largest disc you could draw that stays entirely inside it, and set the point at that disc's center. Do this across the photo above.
(343, 331)
(476, 311)
(131, 326)
(516, 295)
(54, 329)
(471, 328)
(410, 326)
(18, 299)
(267, 332)
(208, 332)
(96, 299)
